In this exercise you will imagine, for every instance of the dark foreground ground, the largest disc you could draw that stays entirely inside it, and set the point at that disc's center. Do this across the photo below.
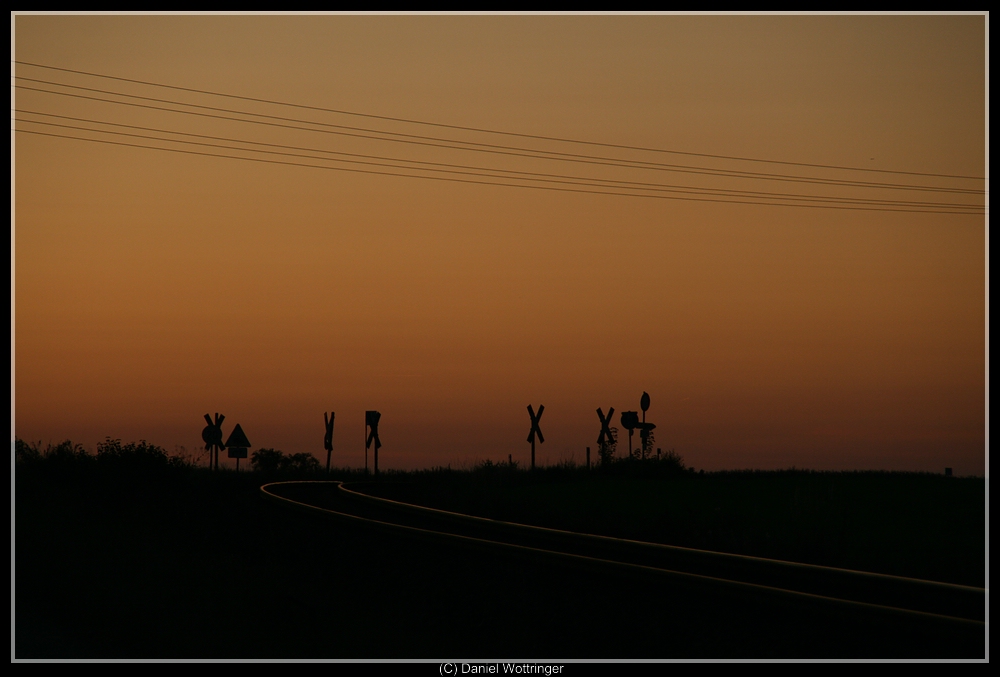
(905, 524)
(190, 565)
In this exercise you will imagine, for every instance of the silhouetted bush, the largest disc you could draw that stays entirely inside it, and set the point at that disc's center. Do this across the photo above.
(114, 461)
(266, 460)
(63, 453)
(488, 467)
(25, 452)
(141, 456)
(274, 462)
(606, 452)
(669, 463)
(301, 463)
(645, 448)
(671, 460)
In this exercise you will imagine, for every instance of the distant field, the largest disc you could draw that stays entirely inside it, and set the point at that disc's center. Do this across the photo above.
(908, 524)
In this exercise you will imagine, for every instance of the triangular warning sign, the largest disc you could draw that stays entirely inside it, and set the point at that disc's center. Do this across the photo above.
(237, 438)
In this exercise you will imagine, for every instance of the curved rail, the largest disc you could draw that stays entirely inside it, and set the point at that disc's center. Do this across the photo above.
(896, 594)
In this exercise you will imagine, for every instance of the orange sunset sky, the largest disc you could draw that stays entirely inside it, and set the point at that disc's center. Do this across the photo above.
(848, 331)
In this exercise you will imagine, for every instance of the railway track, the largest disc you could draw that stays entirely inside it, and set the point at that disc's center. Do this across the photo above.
(936, 602)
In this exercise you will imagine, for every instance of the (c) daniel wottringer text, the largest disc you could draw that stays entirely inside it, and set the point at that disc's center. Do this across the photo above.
(501, 669)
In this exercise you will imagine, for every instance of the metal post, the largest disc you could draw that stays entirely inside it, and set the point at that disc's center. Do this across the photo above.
(643, 436)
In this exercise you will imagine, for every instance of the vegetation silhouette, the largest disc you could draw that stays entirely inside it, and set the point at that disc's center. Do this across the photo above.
(138, 459)
(917, 524)
(606, 450)
(64, 453)
(274, 463)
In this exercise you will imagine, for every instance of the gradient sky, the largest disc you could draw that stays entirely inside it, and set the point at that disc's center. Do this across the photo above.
(151, 287)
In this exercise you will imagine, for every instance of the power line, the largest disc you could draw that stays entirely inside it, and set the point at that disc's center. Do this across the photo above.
(485, 147)
(500, 132)
(495, 183)
(478, 171)
(489, 148)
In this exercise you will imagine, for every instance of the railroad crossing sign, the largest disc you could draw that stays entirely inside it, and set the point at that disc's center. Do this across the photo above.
(237, 444)
(212, 434)
(328, 438)
(605, 435)
(371, 424)
(535, 430)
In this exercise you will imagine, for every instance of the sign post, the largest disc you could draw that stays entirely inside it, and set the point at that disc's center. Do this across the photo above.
(212, 435)
(535, 429)
(328, 438)
(630, 421)
(237, 445)
(644, 435)
(604, 439)
(371, 423)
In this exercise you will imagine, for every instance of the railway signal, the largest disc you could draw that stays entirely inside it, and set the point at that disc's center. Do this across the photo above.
(328, 438)
(212, 435)
(371, 424)
(630, 421)
(535, 430)
(644, 428)
(237, 444)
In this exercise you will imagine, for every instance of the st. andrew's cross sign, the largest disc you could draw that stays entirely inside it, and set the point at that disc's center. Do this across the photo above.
(371, 424)
(328, 437)
(605, 436)
(212, 435)
(535, 430)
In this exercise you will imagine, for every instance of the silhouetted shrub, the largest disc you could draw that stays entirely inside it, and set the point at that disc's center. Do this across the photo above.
(645, 447)
(25, 452)
(671, 460)
(274, 462)
(266, 460)
(114, 459)
(669, 463)
(606, 451)
(133, 455)
(301, 463)
(488, 467)
(64, 453)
